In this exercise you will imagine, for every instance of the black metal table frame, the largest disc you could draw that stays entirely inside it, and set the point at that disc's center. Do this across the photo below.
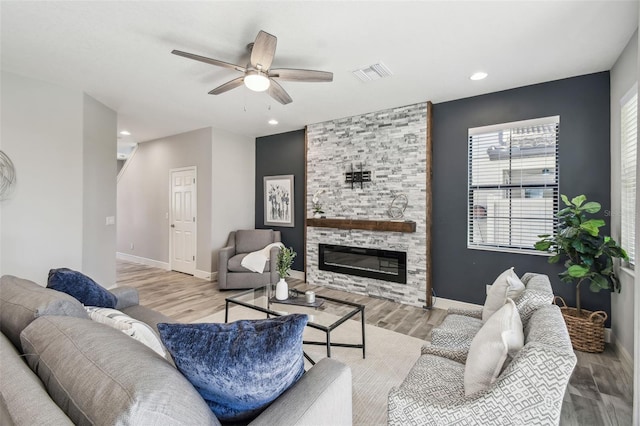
(327, 329)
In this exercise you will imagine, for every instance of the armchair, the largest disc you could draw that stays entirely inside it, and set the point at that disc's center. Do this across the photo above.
(231, 274)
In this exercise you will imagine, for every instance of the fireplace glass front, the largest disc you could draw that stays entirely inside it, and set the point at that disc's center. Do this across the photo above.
(384, 265)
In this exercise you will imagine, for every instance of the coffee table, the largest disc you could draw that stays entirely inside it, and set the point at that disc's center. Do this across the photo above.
(327, 317)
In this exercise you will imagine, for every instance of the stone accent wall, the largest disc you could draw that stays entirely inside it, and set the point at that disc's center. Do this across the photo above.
(392, 145)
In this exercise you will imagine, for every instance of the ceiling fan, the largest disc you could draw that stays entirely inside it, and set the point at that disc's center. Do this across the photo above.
(258, 74)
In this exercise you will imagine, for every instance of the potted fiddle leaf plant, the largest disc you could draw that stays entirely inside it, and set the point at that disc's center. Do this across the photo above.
(285, 261)
(588, 260)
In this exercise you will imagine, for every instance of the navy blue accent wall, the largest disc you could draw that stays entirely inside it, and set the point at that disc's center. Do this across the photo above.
(584, 143)
(283, 154)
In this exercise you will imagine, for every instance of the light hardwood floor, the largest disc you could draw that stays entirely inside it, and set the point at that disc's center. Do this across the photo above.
(600, 390)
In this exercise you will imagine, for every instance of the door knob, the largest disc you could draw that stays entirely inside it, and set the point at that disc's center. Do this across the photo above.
(173, 225)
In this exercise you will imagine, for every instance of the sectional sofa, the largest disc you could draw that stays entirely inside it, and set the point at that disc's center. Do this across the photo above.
(59, 367)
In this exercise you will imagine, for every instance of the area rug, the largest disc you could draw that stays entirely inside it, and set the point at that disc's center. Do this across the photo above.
(389, 357)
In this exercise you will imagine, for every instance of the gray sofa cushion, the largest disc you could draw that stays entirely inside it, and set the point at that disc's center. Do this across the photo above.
(22, 301)
(253, 239)
(127, 296)
(100, 376)
(24, 400)
(321, 397)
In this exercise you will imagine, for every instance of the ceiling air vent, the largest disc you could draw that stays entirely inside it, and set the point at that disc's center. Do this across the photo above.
(373, 72)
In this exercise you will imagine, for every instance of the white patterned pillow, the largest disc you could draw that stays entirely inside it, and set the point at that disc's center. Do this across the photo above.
(129, 326)
(507, 285)
(500, 336)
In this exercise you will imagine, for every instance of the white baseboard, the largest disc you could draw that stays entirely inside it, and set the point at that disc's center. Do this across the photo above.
(625, 358)
(143, 260)
(449, 303)
(298, 275)
(205, 275)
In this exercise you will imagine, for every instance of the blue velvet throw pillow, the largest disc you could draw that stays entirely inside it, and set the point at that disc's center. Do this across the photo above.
(80, 286)
(241, 367)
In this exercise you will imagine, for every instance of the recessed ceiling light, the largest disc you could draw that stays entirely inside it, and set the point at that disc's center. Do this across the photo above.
(479, 75)
(125, 133)
(273, 121)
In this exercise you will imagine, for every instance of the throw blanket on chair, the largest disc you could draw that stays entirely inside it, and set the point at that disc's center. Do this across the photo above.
(255, 261)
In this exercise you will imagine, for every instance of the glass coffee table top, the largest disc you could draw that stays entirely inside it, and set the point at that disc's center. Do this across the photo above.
(328, 316)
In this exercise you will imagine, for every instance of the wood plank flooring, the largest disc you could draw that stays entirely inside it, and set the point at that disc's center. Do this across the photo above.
(185, 298)
(600, 390)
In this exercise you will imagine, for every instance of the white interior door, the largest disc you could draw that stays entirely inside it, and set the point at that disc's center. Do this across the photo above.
(183, 220)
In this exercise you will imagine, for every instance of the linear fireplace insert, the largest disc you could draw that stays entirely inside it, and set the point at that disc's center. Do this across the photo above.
(384, 265)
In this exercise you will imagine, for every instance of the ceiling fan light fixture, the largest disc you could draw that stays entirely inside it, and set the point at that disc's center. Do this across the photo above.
(480, 75)
(256, 81)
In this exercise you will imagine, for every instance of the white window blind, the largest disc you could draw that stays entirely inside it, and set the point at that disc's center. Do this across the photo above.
(513, 184)
(629, 144)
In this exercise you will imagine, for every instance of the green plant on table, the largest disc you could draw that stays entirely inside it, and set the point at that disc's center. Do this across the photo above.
(285, 260)
(588, 255)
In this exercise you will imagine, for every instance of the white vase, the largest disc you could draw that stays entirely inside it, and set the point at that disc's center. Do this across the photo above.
(317, 215)
(282, 290)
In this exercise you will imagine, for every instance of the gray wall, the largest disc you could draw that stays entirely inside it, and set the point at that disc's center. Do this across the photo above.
(283, 154)
(583, 106)
(99, 191)
(43, 131)
(143, 196)
(233, 188)
(624, 75)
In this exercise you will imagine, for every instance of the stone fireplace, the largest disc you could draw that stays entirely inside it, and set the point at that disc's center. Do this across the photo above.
(391, 144)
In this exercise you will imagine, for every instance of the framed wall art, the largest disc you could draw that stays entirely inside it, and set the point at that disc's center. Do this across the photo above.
(278, 200)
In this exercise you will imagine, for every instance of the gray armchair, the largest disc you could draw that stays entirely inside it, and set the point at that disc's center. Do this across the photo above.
(231, 274)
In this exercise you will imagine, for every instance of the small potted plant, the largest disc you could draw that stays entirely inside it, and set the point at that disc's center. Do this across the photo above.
(285, 260)
(317, 205)
(588, 258)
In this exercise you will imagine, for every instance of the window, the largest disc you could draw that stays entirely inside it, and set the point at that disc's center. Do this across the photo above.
(513, 184)
(629, 144)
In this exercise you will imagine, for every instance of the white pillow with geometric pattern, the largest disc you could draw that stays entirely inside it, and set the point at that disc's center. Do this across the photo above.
(129, 326)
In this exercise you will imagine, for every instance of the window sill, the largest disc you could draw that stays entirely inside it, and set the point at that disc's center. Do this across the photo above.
(628, 271)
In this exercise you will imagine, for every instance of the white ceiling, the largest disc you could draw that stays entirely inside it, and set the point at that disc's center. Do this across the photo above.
(119, 53)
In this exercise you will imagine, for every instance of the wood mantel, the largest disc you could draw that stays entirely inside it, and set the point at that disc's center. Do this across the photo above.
(369, 225)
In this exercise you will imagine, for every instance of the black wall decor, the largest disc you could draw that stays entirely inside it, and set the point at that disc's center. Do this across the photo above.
(357, 175)
(584, 151)
(283, 154)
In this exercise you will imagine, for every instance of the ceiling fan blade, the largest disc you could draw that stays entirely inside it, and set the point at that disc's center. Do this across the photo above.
(228, 86)
(264, 48)
(278, 93)
(208, 60)
(289, 74)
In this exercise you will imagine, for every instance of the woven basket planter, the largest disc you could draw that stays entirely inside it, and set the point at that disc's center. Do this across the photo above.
(587, 330)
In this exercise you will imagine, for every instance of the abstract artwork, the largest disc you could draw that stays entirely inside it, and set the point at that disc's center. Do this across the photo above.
(278, 200)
